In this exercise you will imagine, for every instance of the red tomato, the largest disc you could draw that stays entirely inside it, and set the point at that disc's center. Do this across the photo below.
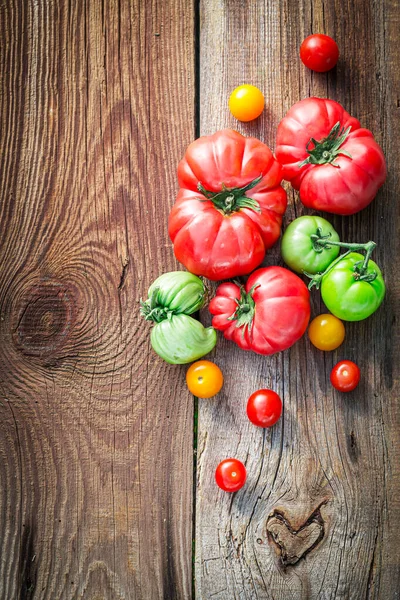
(229, 207)
(345, 376)
(264, 408)
(319, 52)
(269, 314)
(337, 166)
(230, 475)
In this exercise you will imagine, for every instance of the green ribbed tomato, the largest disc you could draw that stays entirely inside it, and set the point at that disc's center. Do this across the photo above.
(300, 248)
(347, 295)
(177, 337)
(181, 339)
(177, 291)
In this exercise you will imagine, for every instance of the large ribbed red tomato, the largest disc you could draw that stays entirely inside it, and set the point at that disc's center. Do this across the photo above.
(269, 314)
(335, 164)
(229, 207)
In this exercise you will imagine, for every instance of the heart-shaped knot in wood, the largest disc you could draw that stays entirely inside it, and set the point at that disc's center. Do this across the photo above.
(292, 545)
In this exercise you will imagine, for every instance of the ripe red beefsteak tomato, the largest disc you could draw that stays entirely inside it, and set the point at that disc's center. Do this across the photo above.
(229, 207)
(335, 164)
(267, 315)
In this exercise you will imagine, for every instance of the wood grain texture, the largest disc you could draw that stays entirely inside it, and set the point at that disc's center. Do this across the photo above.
(319, 515)
(97, 104)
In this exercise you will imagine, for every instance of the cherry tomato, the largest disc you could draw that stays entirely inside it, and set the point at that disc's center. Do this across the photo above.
(264, 408)
(246, 102)
(345, 376)
(326, 332)
(319, 52)
(230, 475)
(204, 379)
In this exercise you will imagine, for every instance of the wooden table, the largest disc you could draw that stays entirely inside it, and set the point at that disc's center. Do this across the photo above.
(106, 491)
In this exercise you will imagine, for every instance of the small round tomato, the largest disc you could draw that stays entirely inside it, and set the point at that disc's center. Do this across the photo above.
(264, 408)
(301, 249)
(326, 332)
(348, 295)
(204, 379)
(345, 376)
(319, 52)
(230, 475)
(246, 102)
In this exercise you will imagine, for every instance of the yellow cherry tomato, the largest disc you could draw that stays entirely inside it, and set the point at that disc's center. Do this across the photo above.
(204, 379)
(326, 332)
(246, 102)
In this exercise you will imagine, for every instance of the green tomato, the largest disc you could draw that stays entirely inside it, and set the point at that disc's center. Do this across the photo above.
(181, 339)
(178, 292)
(298, 250)
(348, 297)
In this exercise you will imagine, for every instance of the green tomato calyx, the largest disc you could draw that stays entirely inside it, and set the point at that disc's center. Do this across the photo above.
(328, 149)
(152, 311)
(321, 242)
(360, 273)
(230, 200)
(246, 307)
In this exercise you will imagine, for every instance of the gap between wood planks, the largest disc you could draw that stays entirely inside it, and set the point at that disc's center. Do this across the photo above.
(195, 400)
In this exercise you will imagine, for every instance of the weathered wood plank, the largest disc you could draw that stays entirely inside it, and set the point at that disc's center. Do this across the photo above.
(97, 106)
(331, 465)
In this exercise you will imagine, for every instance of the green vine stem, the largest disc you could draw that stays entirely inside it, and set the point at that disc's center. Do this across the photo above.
(320, 242)
(360, 268)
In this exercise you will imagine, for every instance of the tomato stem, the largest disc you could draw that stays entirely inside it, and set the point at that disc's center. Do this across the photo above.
(328, 149)
(152, 311)
(360, 268)
(230, 200)
(320, 242)
(244, 312)
(156, 313)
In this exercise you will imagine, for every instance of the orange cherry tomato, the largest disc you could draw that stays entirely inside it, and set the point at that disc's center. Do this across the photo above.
(204, 379)
(246, 102)
(326, 332)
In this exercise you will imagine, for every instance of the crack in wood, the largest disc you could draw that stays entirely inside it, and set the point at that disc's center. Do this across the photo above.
(124, 274)
(27, 563)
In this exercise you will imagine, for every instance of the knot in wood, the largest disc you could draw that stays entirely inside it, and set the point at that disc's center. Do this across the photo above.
(44, 319)
(291, 545)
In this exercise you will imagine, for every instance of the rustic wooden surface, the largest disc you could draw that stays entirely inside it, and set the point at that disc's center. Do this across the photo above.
(97, 105)
(325, 480)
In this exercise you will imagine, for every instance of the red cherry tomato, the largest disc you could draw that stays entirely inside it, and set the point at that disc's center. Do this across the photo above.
(319, 52)
(230, 475)
(345, 376)
(264, 408)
